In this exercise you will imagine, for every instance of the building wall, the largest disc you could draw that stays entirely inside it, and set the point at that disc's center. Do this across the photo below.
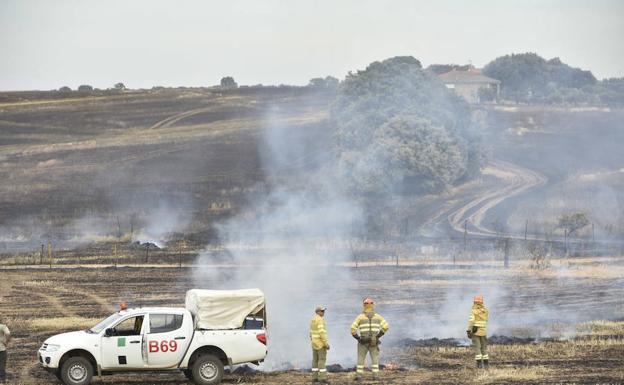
(470, 91)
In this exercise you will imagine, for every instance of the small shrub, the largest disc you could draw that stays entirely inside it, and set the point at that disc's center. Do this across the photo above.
(539, 256)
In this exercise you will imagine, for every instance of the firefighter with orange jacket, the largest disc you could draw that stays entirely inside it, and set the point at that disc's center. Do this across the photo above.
(476, 331)
(367, 329)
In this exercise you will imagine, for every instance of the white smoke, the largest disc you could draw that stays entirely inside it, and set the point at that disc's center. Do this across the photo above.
(289, 242)
(160, 221)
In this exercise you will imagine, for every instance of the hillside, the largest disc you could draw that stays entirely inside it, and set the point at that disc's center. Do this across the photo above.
(147, 165)
(106, 161)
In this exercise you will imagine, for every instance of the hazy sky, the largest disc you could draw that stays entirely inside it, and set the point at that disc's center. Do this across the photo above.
(48, 44)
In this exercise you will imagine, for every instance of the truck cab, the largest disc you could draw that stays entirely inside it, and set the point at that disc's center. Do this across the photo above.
(154, 339)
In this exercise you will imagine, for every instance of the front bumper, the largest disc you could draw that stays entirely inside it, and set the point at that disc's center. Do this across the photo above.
(48, 360)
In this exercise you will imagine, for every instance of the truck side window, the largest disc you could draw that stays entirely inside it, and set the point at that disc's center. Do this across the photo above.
(163, 323)
(253, 322)
(129, 327)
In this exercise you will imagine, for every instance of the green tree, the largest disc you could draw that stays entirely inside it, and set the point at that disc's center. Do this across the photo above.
(85, 88)
(228, 82)
(119, 86)
(573, 222)
(399, 129)
(528, 77)
(611, 92)
(327, 82)
(487, 94)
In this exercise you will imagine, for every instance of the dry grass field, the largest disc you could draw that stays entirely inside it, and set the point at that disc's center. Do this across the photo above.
(37, 303)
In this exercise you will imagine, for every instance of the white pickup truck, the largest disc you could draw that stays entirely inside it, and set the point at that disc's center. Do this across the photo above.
(216, 328)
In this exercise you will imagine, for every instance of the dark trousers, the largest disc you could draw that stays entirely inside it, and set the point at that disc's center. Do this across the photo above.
(480, 347)
(3, 357)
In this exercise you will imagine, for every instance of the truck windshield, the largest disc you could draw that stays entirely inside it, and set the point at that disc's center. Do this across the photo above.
(104, 323)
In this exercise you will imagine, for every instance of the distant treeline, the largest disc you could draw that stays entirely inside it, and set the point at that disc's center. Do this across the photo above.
(526, 78)
(529, 78)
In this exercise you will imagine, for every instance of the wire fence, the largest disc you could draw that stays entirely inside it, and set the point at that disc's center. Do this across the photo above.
(357, 251)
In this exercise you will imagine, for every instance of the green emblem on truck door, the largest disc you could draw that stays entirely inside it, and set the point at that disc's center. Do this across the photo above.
(121, 342)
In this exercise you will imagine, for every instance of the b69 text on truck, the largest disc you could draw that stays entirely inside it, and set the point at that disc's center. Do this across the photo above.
(215, 329)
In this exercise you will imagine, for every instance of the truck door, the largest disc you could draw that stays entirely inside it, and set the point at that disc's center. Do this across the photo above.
(167, 339)
(123, 347)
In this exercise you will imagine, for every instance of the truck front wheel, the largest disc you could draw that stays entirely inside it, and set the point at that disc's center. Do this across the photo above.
(77, 371)
(207, 370)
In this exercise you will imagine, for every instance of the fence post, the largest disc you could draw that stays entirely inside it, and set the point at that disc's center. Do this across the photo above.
(353, 253)
(50, 253)
(506, 253)
(41, 255)
(180, 254)
(565, 242)
(465, 234)
(146, 252)
(526, 229)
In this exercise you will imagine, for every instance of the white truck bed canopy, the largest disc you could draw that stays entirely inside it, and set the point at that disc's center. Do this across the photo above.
(223, 309)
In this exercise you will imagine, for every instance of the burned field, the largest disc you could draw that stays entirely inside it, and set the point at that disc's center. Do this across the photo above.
(170, 164)
(85, 169)
(556, 336)
(131, 190)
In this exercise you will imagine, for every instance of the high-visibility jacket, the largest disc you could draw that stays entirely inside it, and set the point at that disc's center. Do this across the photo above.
(478, 319)
(369, 327)
(5, 336)
(318, 333)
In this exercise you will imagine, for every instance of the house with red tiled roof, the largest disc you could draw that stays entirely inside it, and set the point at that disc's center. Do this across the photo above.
(468, 84)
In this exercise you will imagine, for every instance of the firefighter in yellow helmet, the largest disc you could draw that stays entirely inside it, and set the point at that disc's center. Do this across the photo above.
(367, 329)
(320, 345)
(476, 331)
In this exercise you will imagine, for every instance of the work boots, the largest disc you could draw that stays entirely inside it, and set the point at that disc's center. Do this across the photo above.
(486, 364)
(479, 364)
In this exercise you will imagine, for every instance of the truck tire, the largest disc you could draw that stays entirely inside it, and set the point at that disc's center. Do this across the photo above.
(207, 370)
(76, 371)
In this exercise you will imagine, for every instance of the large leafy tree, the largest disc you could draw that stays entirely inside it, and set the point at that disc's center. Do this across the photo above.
(228, 82)
(400, 130)
(572, 222)
(327, 82)
(611, 92)
(528, 77)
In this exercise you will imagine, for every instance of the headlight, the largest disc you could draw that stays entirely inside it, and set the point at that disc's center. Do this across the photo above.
(50, 347)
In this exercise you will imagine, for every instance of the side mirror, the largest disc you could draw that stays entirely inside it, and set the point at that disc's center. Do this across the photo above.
(109, 332)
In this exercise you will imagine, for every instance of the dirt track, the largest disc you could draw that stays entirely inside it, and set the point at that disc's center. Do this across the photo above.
(510, 180)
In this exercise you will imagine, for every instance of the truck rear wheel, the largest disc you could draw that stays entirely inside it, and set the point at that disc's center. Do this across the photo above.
(207, 370)
(76, 371)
